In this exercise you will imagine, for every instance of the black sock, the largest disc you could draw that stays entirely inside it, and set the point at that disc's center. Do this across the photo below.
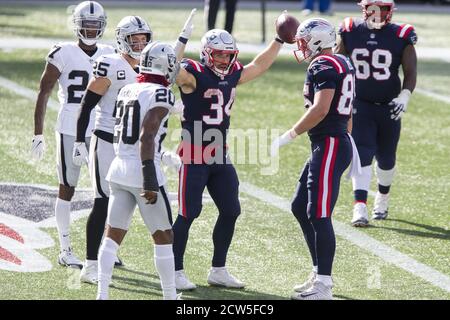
(361, 195)
(180, 238)
(325, 245)
(222, 236)
(383, 189)
(95, 227)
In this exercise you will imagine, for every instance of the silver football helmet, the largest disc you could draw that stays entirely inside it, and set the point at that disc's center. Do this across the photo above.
(313, 35)
(220, 41)
(89, 16)
(127, 27)
(375, 17)
(160, 59)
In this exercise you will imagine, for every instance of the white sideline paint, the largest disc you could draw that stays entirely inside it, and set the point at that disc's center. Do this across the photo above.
(25, 92)
(360, 239)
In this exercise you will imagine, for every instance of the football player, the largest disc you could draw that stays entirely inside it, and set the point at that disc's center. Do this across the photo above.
(208, 90)
(328, 93)
(69, 63)
(111, 73)
(377, 48)
(135, 174)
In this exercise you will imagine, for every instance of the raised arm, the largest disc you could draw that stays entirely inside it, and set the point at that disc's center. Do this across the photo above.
(261, 62)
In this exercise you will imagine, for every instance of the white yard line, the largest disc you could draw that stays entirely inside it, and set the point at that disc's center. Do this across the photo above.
(360, 239)
(25, 92)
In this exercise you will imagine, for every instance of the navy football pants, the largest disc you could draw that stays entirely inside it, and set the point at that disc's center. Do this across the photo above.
(375, 134)
(316, 194)
(222, 183)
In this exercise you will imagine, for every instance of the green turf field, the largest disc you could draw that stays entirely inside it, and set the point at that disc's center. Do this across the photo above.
(268, 251)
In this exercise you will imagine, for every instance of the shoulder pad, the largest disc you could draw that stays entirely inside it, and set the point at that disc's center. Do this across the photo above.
(325, 62)
(192, 65)
(404, 30)
(346, 25)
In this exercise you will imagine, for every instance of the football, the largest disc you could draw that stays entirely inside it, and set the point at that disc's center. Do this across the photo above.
(286, 26)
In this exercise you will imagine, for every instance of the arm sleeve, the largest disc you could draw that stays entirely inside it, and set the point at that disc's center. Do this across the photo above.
(90, 100)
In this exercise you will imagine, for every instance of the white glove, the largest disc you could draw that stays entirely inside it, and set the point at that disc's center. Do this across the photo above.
(400, 104)
(171, 159)
(188, 26)
(285, 138)
(38, 147)
(80, 154)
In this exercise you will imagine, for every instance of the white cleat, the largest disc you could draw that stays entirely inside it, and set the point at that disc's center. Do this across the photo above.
(221, 277)
(360, 215)
(89, 274)
(182, 282)
(66, 258)
(307, 284)
(318, 291)
(380, 207)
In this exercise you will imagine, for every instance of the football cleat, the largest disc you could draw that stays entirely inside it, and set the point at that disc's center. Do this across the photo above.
(307, 284)
(221, 277)
(118, 263)
(380, 208)
(318, 291)
(182, 282)
(66, 258)
(89, 274)
(360, 215)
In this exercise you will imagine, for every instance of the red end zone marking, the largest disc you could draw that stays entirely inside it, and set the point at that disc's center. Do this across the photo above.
(8, 256)
(7, 231)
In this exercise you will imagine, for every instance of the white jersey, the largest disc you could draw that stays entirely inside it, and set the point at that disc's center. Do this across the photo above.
(115, 68)
(76, 70)
(133, 102)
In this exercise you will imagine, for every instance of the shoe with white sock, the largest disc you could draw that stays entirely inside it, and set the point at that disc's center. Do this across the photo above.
(66, 258)
(182, 282)
(318, 291)
(380, 207)
(307, 284)
(360, 215)
(89, 273)
(221, 277)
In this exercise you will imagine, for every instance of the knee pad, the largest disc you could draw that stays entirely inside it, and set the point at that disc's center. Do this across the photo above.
(385, 177)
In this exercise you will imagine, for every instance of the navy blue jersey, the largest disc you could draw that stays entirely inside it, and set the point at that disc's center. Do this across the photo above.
(331, 72)
(211, 102)
(376, 55)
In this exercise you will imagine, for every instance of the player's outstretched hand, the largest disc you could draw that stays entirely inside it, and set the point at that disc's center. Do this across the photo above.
(150, 196)
(79, 154)
(188, 26)
(38, 147)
